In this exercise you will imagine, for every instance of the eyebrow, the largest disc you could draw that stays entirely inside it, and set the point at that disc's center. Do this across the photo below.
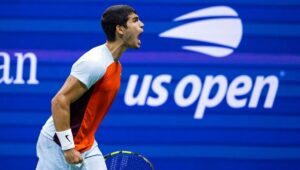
(135, 17)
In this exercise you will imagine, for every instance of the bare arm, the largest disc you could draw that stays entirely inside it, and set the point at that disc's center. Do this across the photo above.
(69, 93)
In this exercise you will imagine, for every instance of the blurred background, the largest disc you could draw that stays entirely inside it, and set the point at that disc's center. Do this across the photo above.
(215, 84)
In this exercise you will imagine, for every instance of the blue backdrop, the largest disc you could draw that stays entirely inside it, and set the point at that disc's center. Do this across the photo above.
(214, 89)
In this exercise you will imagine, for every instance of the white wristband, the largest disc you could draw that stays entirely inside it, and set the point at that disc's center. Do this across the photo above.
(66, 139)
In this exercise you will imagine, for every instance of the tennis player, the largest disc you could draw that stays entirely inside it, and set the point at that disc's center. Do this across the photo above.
(67, 140)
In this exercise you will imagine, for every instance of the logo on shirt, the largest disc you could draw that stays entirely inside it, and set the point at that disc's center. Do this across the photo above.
(218, 28)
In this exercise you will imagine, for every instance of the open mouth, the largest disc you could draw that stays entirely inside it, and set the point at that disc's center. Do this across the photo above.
(138, 36)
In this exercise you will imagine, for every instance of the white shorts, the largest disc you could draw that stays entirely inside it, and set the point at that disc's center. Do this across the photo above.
(51, 157)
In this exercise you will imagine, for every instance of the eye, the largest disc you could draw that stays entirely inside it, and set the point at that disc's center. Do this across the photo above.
(135, 19)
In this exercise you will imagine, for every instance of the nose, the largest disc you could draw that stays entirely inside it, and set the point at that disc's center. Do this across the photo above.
(141, 24)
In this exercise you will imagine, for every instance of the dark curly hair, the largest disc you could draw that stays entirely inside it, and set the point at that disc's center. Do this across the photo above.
(113, 16)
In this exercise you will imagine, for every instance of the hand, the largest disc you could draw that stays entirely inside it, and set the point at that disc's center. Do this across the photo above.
(72, 156)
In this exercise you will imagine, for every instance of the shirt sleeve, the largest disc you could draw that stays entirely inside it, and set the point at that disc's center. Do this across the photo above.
(87, 71)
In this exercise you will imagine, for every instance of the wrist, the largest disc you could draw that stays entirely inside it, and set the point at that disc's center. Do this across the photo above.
(66, 139)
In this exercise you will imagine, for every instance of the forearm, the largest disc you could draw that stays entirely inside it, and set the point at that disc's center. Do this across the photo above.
(61, 118)
(60, 107)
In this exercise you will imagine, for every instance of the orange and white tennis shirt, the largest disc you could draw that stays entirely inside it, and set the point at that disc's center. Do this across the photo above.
(101, 75)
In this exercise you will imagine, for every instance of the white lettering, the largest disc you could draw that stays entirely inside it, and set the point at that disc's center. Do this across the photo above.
(260, 82)
(237, 91)
(161, 91)
(6, 68)
(206, 102)
(238, 87)
(20, 66)
(7, 79)
(179, 91)
(140, 99)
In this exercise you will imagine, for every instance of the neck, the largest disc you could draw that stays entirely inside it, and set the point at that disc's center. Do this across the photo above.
(116, 48)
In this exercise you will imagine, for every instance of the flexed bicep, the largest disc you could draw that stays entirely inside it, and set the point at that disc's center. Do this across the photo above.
(71, 91)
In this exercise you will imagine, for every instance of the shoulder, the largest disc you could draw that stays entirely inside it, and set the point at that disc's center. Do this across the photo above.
(92, 65)
(97, 57)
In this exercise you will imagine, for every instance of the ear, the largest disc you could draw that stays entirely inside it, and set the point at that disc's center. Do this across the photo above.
(120, 30)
